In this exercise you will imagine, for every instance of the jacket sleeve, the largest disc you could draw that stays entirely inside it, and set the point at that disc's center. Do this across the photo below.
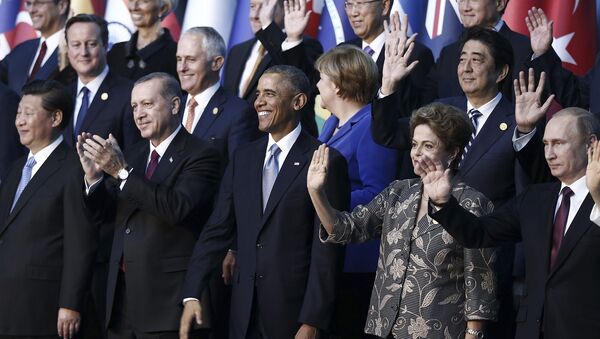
(386, 128)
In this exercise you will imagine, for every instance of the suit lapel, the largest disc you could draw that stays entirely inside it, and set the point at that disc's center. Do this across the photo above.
(211, 113)
(580, 224)
(362, 113)
(546, 224)
(254, 181)
(26, 62)
(50, 166)
(489, 134)
(49, 66)
(171, 158)
(98, 102)
(292, 166)
(9, 188)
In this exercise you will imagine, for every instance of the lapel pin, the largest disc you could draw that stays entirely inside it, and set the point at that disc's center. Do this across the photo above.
(171, 159)
(296, 164)
(215, 110)
(104, 96)
(503, 126)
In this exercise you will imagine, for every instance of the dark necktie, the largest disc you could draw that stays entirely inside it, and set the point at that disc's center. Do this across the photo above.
(152, 164)
(38, 62)
(85, 102)
(474, 116)
(369, 50)
(270, 172)
(560, 222)
(25, 178)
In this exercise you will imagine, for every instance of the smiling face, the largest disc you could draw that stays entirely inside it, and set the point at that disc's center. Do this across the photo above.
(35, 125)
(367, 18)
(276, 105)
(480, 12)
(87, 53)
(46, 15)
(426, 143)
(193, 67)
(153, 114)
(476, 72)
(146, 13)
(565, 149)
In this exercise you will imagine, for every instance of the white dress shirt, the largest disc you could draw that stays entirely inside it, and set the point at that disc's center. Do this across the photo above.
(42, 155)
(51, 44)
(162, 147)
(485, 110)
(93, 86)
(580, 191)
(285, 145)
(202, 99)
(376, 45)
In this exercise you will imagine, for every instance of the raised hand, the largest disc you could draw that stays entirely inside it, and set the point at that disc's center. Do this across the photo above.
(528, 106)
(317, 171)
(106, 153)
(267, 12)
(540, 30)
(436, 180)
(398, 48)
(295, 19)
(592, 173)
(92, 171)
(192, 311)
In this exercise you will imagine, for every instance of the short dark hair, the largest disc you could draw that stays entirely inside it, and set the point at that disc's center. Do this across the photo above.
(499, 47)
(89, 18)
(55, 97)
(294, 78)
(170, 86)
(448, 123)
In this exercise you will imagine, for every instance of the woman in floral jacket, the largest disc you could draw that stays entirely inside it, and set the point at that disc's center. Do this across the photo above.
(427, 285)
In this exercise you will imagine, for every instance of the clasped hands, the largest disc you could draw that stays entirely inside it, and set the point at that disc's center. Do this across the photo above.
(98, 155)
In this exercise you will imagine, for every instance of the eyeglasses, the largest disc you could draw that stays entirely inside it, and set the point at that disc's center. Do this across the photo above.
(36, 3)
(358, 5)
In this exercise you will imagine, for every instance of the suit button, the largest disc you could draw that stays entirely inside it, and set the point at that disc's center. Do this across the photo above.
(259, 245)
(127, 230)
(259, 276)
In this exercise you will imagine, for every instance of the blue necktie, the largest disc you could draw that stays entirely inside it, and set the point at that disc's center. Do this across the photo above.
(270, 172)
(85, 102)
(474, 116)
(369, 50)
(25, 178)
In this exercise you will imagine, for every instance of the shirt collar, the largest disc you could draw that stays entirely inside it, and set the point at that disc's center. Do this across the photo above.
(53, 40)
(93, 85)
(162, 147)
(376, 44)
(204, 97)
(498, 25)
(286, 143)
(487, 108)
(43, 154)
(579, 188)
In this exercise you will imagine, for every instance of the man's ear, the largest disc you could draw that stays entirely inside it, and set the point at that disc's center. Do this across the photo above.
(593, 138)
(57, 118)
(217, 63)
(501, 6)
(299, 101)
(502, 74)
(175, 103)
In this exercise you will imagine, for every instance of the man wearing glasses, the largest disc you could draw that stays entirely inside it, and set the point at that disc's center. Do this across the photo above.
(36, 59)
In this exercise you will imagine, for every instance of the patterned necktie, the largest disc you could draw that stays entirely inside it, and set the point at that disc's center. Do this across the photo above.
(152, 164)
(191, 108)
(85, 102)
(25, 178)
(560, 222)
(369, 50)
(38, 62)
(270, 172)
(474, 116)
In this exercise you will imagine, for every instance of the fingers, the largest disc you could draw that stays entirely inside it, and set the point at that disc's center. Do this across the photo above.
(517, 88)
(547, 103)
(522, 83)
(531, 81)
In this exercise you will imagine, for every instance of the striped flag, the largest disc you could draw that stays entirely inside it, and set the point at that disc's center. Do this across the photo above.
(214, 13)
(120, 26)
(15, 25)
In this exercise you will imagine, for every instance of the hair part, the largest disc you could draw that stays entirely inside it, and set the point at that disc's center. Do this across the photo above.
(55, 97)
(449, 124)
(352, 71)
(89, 18)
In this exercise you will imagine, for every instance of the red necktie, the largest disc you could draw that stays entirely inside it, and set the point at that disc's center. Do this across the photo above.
(152, 165)
(38, 62)
(560, 222)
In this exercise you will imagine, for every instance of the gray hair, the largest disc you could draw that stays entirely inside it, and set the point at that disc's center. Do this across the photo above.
(170, 86)
(212, 42)
(587, 123)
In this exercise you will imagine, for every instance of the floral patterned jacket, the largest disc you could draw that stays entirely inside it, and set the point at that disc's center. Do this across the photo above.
(427, 285)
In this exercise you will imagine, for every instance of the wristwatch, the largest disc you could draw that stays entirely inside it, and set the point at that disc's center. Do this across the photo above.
(477, 333)
(123, 173)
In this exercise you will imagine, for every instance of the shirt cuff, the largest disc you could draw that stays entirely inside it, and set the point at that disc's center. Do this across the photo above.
(521, 140)
(189, 299)
(89, 189)
(595, 215)
(380, 94)
(286, 45)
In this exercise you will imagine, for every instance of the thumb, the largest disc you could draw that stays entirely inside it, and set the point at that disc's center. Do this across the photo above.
(198, 317)
(112, 139)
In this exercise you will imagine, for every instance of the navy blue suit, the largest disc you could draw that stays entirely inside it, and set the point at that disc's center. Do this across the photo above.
(109, 112)
(227, 122)
(10, 146)
(14, 68)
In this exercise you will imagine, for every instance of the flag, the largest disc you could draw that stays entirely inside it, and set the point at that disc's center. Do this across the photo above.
(15, 25)
(335, 27)
(120, 26)
(574, 28)
(88, 7)
(214, 13)
(314, 21)
(174, 20)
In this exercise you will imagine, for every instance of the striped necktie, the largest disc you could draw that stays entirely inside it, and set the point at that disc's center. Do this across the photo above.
(474, 116)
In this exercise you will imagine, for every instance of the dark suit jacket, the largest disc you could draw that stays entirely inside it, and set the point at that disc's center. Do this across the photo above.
(226, 123)
(110, 115)
(302, 56)
(411, 89)
(551, 294)
(158, 56)
(14, 68)
(10, 146)
(156, 223)
(281, 264)
(443, 79)
(47, 246)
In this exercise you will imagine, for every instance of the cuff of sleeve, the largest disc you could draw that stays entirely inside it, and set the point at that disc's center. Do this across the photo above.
(521, 140)
(89, 189)
(286, 45)
(595, 215)
(189, 299)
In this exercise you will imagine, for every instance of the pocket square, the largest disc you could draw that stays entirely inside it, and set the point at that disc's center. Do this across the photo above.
(296, 164)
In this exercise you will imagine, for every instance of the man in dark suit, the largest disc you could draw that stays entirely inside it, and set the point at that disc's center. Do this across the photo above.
(248, 60)
(485, 63)
(285, 277)
(366, 19)
(443, 80)
(159, 196)
(102, 97)
(557, 222)
(10, 147)
(36, 58)
(46, 241)
(209, 113)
